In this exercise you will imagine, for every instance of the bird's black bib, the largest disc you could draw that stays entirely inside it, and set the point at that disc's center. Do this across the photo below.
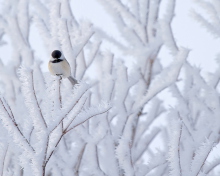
(57, 61)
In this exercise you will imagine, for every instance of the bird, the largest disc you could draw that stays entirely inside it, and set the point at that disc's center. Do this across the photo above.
(59, 66)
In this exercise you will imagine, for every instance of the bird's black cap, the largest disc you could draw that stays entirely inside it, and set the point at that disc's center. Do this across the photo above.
(56, 54)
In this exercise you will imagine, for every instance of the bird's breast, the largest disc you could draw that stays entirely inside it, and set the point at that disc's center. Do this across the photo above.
(59, 68)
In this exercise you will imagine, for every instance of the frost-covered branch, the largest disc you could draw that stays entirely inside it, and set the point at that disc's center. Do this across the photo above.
(115, 111)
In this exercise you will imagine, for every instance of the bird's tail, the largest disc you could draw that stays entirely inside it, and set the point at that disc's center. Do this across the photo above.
(72, 80)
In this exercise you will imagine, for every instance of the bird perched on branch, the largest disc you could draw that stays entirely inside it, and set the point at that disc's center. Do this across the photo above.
(59, 66)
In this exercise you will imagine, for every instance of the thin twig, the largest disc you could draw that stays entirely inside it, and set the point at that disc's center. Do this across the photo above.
(213, 166)
(130, 14)
(78, 164)
(60, 97)
(187, 129)
(76, 115)
(71, 46)
(82, 65)
(66, 131)
(34, 92)
(93, 56)
(4, 161)
(150, 69)
(45, 164)
(135, 127)
(16, 125)
(131, 160)
(45, 153)
(68, 111)
(205, 159)
(63, 132)
(147, 145)
(181, 127)
(30, 135)
(125, 124)
(85, 43)
(97, 159)
(147, 19)
(9, 107)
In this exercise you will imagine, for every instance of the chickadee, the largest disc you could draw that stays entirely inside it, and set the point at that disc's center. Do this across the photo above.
(59, 66)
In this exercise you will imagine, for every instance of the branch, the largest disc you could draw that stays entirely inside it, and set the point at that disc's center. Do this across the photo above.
(85, 42)
(171, 73)
(46, 161)
(97, 160)
(142, 150)
(60, 97)
(212, 166)
(76, 115)
(69, 111)
(213, 145)
(181, 128)
(153, 8)
(187, 129)
(78, 164)
(92, 57)
(12, 115)
(4, 161)
(167, 32)
(66, 131)
(34, 92)
(16, 125)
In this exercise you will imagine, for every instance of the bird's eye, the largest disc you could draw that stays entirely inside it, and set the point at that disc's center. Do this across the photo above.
(56, 54)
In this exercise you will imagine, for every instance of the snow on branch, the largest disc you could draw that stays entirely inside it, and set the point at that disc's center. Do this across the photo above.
(14, 130)
(166, 78)
(166, 28)
(175, 144)
(87, 114)
(201, 156)
(26, 76)
(208, 25)
(113, 123)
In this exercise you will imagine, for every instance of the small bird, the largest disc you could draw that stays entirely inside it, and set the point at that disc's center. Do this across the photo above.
(59, 66)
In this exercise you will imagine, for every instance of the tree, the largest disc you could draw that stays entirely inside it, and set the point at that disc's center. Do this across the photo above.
(107, 125)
